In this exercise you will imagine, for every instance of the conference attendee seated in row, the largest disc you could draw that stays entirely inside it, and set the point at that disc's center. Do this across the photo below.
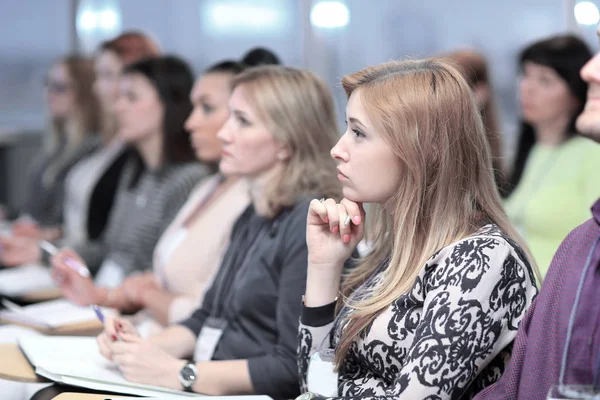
(91, 185)
(190, 250)
(72, 135)
(557, 349)
(432, 310)
(555, 173)
(280, 129)
(152, 109)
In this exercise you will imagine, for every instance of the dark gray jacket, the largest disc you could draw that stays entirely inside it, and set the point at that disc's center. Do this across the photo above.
(258, 291)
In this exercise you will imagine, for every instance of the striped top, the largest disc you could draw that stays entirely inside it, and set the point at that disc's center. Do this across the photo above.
(140, 215)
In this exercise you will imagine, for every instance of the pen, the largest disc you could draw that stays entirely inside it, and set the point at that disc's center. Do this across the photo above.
(98, 312)
(100, 316)
(74, 265)
(347, 220)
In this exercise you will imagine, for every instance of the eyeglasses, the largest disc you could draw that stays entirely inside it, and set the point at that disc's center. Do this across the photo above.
(56, 86)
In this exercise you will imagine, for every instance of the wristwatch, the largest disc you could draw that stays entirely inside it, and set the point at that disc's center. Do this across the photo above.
(187, 376)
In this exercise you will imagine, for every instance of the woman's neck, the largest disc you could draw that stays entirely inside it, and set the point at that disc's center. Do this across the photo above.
(258, 189)
(151, 151)
(552, 133)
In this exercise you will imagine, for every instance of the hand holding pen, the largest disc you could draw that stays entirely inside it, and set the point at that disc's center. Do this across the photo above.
(73, 279)
(115, 330)
(75, 265)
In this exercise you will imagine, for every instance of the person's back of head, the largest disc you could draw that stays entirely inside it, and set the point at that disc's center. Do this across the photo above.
(260, 56)
(298, 110)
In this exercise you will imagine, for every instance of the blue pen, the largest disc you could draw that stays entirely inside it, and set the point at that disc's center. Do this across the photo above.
(98, 312)
(100, 316)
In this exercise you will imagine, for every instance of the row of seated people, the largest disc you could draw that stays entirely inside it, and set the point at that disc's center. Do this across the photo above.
(421, 159)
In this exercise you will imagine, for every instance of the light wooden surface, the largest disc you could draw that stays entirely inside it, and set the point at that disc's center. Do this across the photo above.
(15, 367)
(88, 328)
(41, 295)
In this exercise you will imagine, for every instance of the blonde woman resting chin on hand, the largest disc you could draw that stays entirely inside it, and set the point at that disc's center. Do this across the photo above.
(431, 311)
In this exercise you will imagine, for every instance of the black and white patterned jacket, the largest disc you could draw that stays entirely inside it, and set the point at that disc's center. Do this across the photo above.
(449, 337)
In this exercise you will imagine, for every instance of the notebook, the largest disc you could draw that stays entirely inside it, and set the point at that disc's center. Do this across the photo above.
(77, 361)
(51, 314)
(18, 281)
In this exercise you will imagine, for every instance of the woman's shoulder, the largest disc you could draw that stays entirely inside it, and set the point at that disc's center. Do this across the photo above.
(488, 255)
(488, 245)
(580, 145)
(186, 176)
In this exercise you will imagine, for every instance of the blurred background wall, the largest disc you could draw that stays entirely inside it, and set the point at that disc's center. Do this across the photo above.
(331, 40)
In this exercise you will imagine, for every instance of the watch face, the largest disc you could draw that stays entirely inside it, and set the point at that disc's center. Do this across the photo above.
(188, 374)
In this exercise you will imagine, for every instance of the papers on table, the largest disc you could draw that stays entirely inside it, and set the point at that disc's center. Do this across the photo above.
(18, 281)
(51, 314)
(77, 361)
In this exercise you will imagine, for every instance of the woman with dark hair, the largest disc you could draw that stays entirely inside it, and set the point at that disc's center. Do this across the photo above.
(73, 126)
(151, 110)
(92, 184)
(554, 179)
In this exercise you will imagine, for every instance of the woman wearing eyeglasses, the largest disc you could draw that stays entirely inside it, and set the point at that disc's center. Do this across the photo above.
(73, 123)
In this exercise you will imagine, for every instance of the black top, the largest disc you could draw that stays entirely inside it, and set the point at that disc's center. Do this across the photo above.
(103, 196)
(258, 291)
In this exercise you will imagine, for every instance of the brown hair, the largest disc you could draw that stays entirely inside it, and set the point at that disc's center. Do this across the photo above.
(81, 75)
(298, 110)
(474, 68)
(426, 112)
(131, 46)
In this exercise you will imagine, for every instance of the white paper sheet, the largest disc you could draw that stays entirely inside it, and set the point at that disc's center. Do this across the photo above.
(76, 361)
(53, 314)
(18, 281)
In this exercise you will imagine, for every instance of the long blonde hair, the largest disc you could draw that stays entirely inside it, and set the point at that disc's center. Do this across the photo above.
(298, 110)
(426, 112)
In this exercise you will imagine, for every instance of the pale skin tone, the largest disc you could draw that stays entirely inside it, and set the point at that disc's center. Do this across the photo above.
(546, 103)
(108, 67)
(369, 172)
(588, 122)
(159, 359)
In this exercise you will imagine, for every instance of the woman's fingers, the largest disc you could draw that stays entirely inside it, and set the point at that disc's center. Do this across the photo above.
(332, 215)
(318, 209)
(344, 223)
